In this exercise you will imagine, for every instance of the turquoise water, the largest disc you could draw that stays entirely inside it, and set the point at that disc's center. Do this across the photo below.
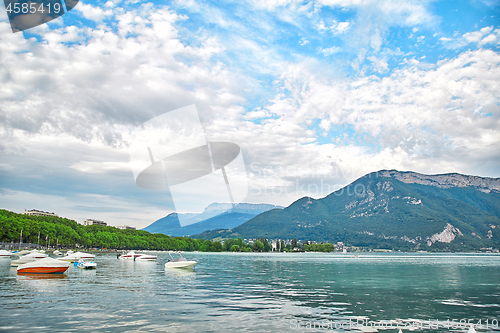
(235, 292)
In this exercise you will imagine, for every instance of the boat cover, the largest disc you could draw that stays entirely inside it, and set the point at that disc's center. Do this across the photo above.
(45, 262)
(33, 255)
(82, 255)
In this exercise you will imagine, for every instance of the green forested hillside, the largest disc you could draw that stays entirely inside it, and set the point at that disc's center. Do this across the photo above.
(69, 233)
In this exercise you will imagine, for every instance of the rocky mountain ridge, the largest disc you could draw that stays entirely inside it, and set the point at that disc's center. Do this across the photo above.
(449, 180)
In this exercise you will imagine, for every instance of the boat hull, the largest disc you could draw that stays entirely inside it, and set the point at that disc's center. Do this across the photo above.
(146, 257)
(180, 264)
(42, 270)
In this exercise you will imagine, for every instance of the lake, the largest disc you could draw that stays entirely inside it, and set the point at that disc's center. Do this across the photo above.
(260, 292)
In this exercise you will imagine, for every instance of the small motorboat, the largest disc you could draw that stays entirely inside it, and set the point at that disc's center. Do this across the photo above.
(5, 254)
(20, 253)
(85, 264)
(146, 257)
(30, 257)
(131, 255)
(77, 256)
(180, 262)
(38, 254)
(57, 253)
(43, 266)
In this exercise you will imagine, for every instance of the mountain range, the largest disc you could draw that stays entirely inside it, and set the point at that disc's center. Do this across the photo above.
(390, 209)
(216, 215)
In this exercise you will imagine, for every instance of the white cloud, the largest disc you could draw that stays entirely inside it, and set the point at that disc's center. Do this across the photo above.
(342, 27)
(71, 102)
(94, 13)
(481, 37)
(379, 64)
(330, 50)
(303, 41)
(421, 119)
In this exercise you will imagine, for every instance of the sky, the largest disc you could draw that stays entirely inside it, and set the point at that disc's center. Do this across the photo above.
(315, 93)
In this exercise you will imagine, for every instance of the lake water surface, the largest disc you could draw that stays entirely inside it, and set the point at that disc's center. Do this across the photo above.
(260, 292)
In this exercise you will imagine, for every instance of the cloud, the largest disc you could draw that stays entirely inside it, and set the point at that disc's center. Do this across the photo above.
(480, 37)
(299, 120)
(417, 115)
(330, 50)
(379, 64)
(303, 41)
(340, 28)
(94, 13)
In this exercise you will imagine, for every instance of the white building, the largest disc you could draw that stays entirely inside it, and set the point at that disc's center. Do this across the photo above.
(35, 212)
(94, 222)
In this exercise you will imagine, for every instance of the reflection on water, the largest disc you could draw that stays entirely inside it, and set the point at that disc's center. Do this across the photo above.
(181, 272)
(253, 292)
(41, 276)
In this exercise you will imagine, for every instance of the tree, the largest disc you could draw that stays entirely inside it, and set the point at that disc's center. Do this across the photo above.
(216, 247)
(258, 246)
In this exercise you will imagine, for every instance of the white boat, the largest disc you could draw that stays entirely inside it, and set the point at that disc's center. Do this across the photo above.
(43, 266)
(131, 255)
(85, 264)
(20, 253)
(180, 262)
(57, 253)
(5, 254)
(146, 257)
(30, 257)
(77, 256)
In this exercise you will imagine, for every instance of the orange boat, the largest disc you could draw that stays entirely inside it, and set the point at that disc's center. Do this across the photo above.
(43, 266)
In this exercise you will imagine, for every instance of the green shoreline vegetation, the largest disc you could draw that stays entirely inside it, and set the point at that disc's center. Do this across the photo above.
(69, 233)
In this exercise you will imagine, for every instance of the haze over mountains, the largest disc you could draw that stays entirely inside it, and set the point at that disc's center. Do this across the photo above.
(216, 215)
(390, 209)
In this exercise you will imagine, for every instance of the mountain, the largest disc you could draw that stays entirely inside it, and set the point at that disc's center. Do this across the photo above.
(216, 215)
(390, 209)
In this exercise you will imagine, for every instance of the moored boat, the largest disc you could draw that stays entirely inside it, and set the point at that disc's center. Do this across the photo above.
(20, 253)
(130, 255)
(43, 266)
(5, 254)
(146, 257)
(180, 262)
(85, 264)
(30, 257)
(77, 256)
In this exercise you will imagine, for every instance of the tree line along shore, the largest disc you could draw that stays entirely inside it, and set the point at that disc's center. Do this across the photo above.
(66, 233)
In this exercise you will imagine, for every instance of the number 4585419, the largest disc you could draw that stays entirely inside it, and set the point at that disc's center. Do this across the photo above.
(31, 8)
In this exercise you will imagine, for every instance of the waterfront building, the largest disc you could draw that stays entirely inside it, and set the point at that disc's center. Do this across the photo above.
(35, 212)
(94, 222)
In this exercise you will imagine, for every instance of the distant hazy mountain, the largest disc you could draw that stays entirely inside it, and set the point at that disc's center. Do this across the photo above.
(390, 209)
(216, 215)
